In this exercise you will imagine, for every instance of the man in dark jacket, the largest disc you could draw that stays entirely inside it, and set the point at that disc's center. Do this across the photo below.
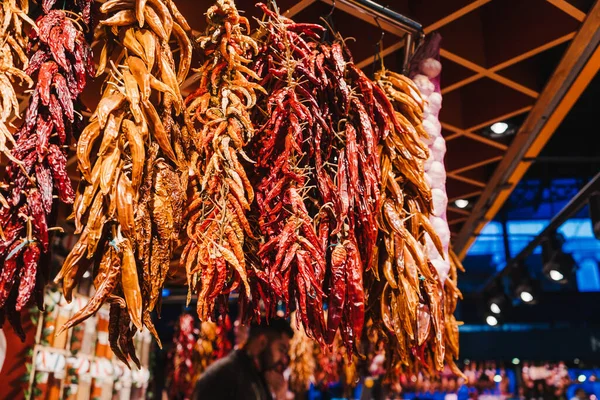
(251, 372)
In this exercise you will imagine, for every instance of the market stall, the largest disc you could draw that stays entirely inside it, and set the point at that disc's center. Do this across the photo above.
(256, 165)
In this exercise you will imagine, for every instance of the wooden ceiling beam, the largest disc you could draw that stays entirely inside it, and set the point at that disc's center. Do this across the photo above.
(569, 9)
(471, 135)
(512, 61)
(384, 53)
(459, 210)
(451, 128)
(500, 118)
(296, 9)
(487, 73)
(455, 15)
(484, 140)
(533, 52)
(466, 196)
(466, 180)
(428, 29)
(576, 69)
(457, 221)
(476, 165)
(462, 83)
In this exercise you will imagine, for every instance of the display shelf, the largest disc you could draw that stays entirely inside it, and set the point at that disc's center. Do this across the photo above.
(88, 370)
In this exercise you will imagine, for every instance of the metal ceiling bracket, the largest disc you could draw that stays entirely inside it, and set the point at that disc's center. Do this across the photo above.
(376, 10)
(570, 209)
(414, 33)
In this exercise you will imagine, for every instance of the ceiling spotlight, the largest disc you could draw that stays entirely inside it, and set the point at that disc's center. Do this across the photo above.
(461, 203)
(526, 296)
(516, 361)
(499, 128)
(491, 320)
(557, 265)
(556, 275)
(581, 378)
(499, 302)
(497, 378)
(524, 287)
(576, 361)
(86, 274)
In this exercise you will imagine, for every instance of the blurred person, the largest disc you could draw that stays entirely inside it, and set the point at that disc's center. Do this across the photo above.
(240, 331)
(255, 370)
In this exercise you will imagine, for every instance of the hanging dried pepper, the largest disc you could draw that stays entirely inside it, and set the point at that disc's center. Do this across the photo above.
(181, 372)
(292, 258)
(412, 300)
(221, 192)
(13, 62)
(60, 63)
(318, 195)
(130, 201)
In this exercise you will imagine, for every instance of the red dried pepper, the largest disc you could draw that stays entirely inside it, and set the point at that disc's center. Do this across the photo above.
(318, 178)
(61, 58)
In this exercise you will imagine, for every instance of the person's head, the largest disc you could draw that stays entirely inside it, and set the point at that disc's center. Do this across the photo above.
(269, 342)
(580, 393)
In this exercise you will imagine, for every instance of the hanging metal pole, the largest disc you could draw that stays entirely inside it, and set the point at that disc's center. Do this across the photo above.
(376, 10)
(576, 203)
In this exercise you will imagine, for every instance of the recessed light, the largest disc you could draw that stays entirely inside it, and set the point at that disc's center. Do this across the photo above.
(516, 361)
(556, 275)
(499, 128)
(497, 378)
(461, 203)
(581, 378)
(495, 308)
(86, 274)
(526, 296)
(491, 320)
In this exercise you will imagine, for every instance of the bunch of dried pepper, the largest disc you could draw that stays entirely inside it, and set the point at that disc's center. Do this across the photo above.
(60, 63)
(13, 61)
(132, 157)
(181, 373)
(302, 360)
(451, 296)
(220, 191)
(291, 256)
(205, 349)
(222, 343)
(411, 303)
(317, 155)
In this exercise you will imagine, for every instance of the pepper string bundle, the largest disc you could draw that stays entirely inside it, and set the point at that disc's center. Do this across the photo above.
(412, 302)
(60, 63)
(220, 191)
(302, 360)
(205, 348)
(13, 61)
(181, 374)
(132, 158)
(289, 244)
(318, 177)
(222, 343)
(451, 296)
